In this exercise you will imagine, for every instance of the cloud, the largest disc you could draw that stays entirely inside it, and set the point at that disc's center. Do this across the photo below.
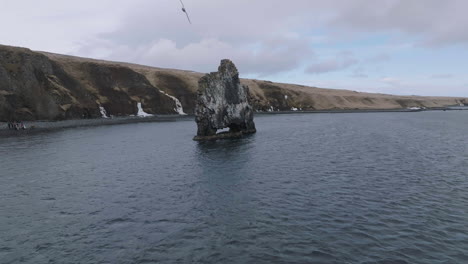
(441, 76)
(264, 43)
(381, 57)
(54, 25)
(279, 55)
(84, 28)
(360, 75)
(391, 81)
(342, 61)
(433, 22)
(260, 43)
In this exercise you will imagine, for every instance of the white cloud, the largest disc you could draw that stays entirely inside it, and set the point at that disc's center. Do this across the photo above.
(55, 25)
(341, 61)
(280, 55)
(391, 81)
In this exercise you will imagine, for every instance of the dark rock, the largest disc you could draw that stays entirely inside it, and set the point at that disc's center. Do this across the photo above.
(120, 89)
(177, 87)
(222, 102)
(33, 87)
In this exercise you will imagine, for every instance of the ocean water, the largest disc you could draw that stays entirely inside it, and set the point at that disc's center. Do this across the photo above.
(307, 188)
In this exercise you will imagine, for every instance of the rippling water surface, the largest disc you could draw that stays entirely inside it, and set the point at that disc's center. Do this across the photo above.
(307, 188)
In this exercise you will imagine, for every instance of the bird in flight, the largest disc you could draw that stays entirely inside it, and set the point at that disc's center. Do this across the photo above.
(185, 11)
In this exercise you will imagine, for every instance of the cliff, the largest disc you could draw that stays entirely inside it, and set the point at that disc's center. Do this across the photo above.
(40, 85)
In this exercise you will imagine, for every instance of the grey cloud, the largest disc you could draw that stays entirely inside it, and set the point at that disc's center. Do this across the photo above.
(265, 37)
(158, 34)
(231, 21)
(435, 22)
(244, 21)
(246, 32)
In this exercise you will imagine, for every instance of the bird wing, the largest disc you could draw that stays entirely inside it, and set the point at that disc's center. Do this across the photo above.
(188, 17)
(185, 11)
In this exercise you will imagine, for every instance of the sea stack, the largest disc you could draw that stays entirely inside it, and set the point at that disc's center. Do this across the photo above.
(222, 102)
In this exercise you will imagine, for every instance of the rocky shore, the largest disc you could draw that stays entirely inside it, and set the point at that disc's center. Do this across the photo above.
(42, 126)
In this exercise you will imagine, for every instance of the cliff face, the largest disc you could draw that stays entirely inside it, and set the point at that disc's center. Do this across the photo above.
(39, 85)
(34, 86)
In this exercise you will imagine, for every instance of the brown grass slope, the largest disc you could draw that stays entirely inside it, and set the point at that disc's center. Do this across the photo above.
(41, 85)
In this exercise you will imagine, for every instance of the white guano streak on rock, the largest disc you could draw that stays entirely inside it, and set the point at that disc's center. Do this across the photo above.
(179, 109)
(142, 113)
(103, 112)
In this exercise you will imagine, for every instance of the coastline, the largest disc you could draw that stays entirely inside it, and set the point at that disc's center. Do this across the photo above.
(46, 125)
(349, 111)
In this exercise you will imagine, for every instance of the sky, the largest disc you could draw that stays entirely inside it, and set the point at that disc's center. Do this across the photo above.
(404, 47)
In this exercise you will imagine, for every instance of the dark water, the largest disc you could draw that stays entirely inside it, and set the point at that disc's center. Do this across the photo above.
(311, 188)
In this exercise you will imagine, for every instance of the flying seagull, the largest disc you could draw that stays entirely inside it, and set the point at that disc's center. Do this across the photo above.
(183, 10)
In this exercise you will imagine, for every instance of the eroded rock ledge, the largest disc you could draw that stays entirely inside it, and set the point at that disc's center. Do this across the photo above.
(222, 102)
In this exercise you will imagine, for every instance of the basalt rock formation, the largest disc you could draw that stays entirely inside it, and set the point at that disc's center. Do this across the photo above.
(222, 102)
